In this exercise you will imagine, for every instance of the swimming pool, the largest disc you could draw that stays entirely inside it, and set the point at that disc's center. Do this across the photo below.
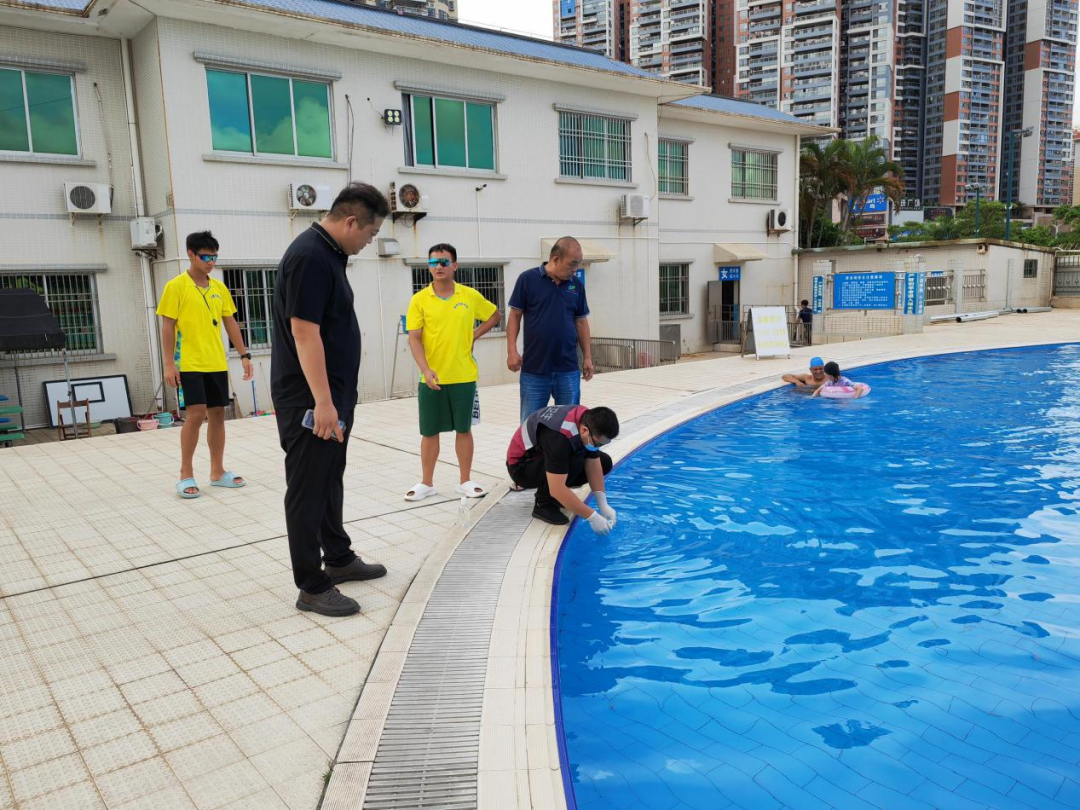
(810, 603)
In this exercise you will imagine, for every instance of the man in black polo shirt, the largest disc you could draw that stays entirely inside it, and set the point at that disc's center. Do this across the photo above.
(316, 366)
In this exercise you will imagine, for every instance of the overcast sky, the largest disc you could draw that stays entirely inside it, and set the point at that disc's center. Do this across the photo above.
(525, 16)
(534, 17)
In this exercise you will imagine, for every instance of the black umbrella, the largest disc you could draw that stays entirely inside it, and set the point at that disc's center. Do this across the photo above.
(26, 324)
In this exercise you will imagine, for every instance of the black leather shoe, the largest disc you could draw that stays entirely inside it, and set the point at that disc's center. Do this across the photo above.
(550, 514)
(356, 571)
(328, 603)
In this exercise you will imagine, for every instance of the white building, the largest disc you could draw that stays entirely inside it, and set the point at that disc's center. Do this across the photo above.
(511, 142)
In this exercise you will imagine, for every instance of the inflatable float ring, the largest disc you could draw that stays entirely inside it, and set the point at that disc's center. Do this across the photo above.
(845, 391)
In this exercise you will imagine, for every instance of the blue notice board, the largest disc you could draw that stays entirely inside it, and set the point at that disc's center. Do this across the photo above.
(731, 272)
(818, 296)
(914, 293)
(864, 291)
(873, 204)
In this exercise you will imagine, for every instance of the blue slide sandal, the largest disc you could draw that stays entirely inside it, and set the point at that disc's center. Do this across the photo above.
(228, 480)
(187, 483)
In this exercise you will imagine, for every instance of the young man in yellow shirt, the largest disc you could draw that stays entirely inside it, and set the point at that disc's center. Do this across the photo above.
(444, 320)
(193, 308)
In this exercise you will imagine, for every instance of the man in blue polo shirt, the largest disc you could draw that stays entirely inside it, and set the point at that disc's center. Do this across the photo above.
(556, 313)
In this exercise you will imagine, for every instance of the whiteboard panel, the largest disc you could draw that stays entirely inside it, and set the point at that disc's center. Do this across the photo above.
(109, 397)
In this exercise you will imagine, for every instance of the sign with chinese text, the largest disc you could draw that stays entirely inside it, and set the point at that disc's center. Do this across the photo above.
(914, 293)
(731, 273)
(770, 332)
(864, 291)
(817, 296)
(873, 204)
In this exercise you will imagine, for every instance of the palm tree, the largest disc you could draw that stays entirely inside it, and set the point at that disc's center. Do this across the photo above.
(867, 169)
(821, 179)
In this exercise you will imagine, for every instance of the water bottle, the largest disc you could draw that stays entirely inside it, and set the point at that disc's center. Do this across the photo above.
(463, 513)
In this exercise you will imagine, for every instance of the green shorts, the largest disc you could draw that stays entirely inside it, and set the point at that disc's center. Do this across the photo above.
(449, 409)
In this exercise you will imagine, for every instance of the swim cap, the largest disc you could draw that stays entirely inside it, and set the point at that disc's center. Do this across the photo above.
(816, 361)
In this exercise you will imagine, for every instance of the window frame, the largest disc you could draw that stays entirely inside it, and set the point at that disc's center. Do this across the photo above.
(775, 170)
(26, 113)
(683, 269)
(421, 280)
(409, 130)
(1033, 264)
(247, 73)
(240, 298)
(47, 294)
(579, 158)
(684, 181)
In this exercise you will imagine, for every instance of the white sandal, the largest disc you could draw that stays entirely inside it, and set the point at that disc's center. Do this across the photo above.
(420, 491)
(470, 489)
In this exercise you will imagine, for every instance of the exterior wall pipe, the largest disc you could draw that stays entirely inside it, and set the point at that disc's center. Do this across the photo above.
(156, 374)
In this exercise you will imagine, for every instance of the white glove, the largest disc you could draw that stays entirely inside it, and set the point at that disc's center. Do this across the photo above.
(599, 524)
(602, 507)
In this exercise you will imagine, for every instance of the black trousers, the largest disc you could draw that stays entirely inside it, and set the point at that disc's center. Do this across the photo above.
(529, 473)
(315, 491)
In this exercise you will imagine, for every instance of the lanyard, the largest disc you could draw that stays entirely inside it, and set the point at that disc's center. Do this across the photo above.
(203, 295)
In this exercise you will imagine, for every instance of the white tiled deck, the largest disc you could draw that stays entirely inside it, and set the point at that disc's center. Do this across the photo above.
(150, 653)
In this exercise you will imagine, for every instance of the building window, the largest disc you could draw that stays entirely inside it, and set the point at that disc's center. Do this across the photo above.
(753, 174)
(673, 164)
(252, 290)
(37, 113)
(449, 132)
(975, 286)
(485, 279)
(594, 147)
(674, 289)
(1031, 268)
(269, 115)
(72, 299)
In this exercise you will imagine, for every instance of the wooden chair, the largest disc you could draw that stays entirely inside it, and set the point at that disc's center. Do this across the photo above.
(71, 430)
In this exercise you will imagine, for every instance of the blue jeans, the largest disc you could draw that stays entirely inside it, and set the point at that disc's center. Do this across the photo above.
(537, 389)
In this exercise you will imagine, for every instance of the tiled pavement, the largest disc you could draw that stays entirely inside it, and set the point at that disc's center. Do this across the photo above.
(150, 653)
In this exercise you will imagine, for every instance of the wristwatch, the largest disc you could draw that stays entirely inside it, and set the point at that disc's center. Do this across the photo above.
(246, 356)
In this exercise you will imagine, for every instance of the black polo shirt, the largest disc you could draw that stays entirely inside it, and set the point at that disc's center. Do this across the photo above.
(311, 285)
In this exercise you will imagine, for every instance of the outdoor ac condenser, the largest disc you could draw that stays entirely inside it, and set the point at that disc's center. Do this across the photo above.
(634, 206)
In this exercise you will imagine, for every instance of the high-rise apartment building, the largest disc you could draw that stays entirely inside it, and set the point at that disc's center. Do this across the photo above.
(942, 83)
(1040, 71)
(670, 37)
(591, 24)
(787, 56)
(439, 9)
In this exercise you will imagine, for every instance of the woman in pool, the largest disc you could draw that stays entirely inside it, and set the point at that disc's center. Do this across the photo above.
(837, 385)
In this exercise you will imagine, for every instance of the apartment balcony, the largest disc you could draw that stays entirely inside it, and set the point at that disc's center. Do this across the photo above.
(696, 32)
(816, 7)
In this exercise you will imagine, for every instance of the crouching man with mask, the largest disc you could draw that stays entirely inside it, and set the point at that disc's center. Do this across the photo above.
(556, 449)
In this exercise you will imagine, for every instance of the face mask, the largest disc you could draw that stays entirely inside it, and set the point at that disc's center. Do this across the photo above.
(591, 448)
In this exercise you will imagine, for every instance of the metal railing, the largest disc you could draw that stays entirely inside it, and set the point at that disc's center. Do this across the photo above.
(1067, 274)
(621, 354)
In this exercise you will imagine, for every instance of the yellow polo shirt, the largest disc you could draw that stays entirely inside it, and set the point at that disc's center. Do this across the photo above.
(195, 309)
(448, 330)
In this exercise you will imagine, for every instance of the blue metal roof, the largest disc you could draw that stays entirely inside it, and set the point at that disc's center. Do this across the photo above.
(470, 36)
(736, 106)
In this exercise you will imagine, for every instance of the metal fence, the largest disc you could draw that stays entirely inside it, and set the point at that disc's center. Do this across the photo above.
(1067, 274)
(621, 354)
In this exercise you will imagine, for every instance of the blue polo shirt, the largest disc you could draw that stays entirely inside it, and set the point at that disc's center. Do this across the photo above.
(551, 309)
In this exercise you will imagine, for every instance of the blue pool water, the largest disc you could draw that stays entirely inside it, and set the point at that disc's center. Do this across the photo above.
(849, 604)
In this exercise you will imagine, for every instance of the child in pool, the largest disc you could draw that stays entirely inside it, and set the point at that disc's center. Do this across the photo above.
(834, 379)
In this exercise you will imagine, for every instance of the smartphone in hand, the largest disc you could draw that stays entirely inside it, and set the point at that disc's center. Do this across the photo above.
(309, 421)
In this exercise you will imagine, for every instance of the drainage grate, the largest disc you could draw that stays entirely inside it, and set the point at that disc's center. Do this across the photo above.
(430, 746)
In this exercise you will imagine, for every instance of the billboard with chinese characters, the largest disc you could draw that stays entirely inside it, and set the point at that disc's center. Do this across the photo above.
(914, 293)
(730, 272)
(864, 291)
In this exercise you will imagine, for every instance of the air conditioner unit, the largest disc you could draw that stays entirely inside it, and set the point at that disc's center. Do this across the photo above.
(309, 197)
(779, 220)
(405, 199)
(634, 206)
(144, 233)
(88, 198)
